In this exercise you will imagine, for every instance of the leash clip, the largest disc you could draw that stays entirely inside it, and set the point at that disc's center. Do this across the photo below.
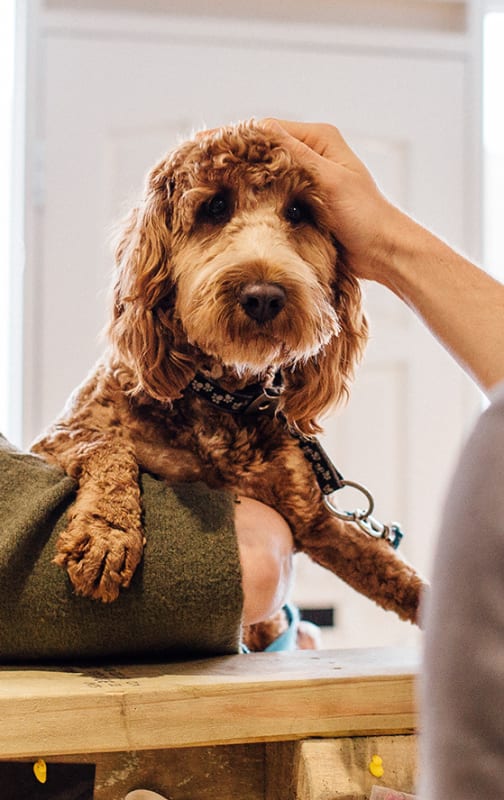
(264, 403)
(392, 533)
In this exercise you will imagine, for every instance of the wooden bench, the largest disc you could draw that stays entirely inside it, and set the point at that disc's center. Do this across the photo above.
(282, 726)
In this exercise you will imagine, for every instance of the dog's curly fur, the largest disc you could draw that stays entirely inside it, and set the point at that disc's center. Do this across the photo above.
(228, 221)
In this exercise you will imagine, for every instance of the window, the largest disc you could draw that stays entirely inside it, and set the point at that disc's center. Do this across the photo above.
(493, 142)
(7, 9)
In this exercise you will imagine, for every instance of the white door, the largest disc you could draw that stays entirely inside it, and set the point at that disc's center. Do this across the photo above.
(113, 101)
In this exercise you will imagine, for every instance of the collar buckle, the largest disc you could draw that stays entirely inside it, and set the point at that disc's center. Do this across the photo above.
(264, 403)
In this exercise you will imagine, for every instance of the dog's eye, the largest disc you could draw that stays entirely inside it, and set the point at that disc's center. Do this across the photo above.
(298, 213)
(217, 209)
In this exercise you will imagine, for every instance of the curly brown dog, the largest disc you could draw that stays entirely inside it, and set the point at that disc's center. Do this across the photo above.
(226, 270)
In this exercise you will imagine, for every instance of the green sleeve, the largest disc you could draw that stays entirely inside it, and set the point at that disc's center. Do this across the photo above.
(185, 598)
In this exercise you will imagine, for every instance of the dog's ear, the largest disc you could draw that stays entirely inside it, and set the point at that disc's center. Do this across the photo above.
(143, 332)
(315, 386)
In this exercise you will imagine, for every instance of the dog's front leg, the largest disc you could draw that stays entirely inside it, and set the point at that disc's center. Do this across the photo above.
(103, 541)
(369, 565)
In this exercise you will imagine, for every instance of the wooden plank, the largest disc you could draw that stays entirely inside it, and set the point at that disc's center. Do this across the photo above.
(251, 698)
(339, 769)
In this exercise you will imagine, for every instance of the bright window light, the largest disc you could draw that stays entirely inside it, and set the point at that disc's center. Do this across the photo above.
(7, 8)
(493, 137)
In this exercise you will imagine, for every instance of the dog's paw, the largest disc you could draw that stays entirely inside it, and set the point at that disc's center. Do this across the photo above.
(99, 559)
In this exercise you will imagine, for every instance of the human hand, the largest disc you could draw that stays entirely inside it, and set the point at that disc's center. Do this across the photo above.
(266, 548)
(450, 294)
(360, 216)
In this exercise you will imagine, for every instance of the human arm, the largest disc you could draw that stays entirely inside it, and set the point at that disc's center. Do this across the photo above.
(461, 304)
(265, 547)
(207, 570)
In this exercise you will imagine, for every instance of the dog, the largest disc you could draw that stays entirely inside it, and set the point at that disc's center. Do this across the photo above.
(227, 277)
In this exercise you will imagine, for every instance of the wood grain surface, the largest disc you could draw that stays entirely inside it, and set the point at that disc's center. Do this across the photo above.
(221, 701)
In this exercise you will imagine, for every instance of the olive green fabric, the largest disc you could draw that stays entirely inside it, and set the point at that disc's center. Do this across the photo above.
(185, 598)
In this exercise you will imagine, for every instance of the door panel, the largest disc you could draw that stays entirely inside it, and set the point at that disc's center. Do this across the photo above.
(113, 105)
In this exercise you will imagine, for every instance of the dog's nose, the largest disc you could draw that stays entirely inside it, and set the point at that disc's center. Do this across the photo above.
(262, 301)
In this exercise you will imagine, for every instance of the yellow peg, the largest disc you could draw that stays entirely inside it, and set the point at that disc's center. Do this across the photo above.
(40, 770)
(376, 767)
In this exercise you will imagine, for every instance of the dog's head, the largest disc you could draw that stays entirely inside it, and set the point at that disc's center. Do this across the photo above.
(229, 259)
